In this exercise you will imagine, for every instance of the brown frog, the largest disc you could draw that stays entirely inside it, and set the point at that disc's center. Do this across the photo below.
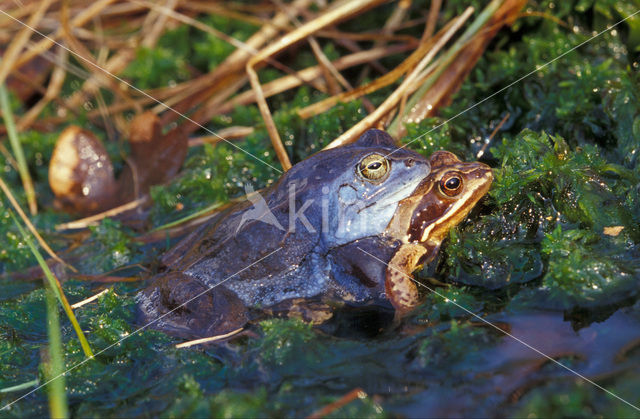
(345, 227)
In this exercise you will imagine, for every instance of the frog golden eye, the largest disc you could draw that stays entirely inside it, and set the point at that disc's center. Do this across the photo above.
(451, 184)
(373, 167)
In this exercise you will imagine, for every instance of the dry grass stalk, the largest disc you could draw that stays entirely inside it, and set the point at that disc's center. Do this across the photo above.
(385, 80)
(355, 394)
(208, 339)
(288, 82)
(390, 26)
(233, 79)
(53, 91)
(432, 19)
(90, 299)
(333, 16)
(206, 86)
(438, 92)
(17, 44)
(230, 133)
(389, 104)
(95, 219)
(45, 44)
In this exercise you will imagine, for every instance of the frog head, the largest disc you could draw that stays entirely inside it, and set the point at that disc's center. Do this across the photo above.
(440, 202)
(350, 192)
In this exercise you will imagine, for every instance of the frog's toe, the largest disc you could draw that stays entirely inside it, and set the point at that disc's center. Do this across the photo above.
(183, 306)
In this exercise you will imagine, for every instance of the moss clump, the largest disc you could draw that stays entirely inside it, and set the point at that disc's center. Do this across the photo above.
(551, 207)
(454, 348)
(208, 51)
(15, 253)
(112, 247)
(586, 270)
(284, 339)
(445, 304)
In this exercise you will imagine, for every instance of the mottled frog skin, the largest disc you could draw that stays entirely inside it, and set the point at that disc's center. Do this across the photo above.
(345, 227)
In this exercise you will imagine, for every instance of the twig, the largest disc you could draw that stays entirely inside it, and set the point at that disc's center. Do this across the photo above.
(209, 339)
(382, 81)
(493, 133)
(356, 393)
(230, 133)
(11, 54)
(93, 220)
(90, 299)
(432, 19)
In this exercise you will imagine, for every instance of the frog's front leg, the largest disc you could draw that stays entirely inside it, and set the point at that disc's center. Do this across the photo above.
(400, 286)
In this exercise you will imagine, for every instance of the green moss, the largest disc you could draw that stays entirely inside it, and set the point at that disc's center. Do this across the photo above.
(560, 403)
(454, 348)
(580, 399)
(585, 269)
(159, 66)
(426, 139)
(14, 254)
(202, 181)
(284, 339)
(112, 247)
(445, 304)
(542, 183)
(208, 50)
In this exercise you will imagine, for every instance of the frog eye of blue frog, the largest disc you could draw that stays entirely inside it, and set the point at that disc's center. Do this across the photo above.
(373, 167)
(451, 184)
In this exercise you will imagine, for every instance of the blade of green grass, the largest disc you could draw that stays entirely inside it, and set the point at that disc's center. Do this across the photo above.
(20, 387)
(16, 146)
(54, 368)
(56, 286)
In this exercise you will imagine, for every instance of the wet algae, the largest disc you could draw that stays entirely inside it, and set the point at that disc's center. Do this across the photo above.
(551, 256)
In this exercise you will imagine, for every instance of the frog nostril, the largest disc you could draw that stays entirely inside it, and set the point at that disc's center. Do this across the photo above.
(409, 162)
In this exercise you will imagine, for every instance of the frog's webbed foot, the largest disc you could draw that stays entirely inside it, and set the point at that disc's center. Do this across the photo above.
(183, 306)
(308, 310)
(400, 286)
